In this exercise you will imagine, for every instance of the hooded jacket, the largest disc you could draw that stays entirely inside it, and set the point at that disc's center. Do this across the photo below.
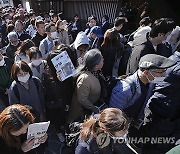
(80, 40)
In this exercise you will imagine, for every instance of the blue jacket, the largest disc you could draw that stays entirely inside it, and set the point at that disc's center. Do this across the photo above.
(123, 97)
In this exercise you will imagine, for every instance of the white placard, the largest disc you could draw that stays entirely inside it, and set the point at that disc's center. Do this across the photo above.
(64, 65)
(37, 130)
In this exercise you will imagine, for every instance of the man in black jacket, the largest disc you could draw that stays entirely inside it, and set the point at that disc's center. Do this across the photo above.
(148, 45)
(40, 34)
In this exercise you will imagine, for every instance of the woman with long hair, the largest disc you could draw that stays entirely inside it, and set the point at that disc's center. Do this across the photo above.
(111, 50)
(62, 32)
(58, 94)
(14, 122)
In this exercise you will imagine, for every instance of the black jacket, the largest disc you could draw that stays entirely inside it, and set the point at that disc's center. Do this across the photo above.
(24, 36)
(105, 27)
(10, 51)
(91, 147)
(109, 54)
(164, 112)
(5, 149)
(37, 38)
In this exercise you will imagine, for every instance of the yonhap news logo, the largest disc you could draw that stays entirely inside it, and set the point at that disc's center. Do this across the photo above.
(104, 140)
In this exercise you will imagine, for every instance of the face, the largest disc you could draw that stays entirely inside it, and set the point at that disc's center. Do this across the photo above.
(41, 29)
(21, 131)
(21, 12)
(55, 19)
(15, 42)
(22, 73)
(120, 27)
(18, 27)
(53, 29)
(156, 73)
(100, 65)
(92, 23)
(93, 35)
(83, 48)
(76, 18)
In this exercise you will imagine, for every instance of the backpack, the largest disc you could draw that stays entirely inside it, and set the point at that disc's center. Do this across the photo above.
(112, 82)
(16, 91)
(72, 134)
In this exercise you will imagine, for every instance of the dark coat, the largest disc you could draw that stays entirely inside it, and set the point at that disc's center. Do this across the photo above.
(105, 27)
(164, 112)
(91, 147)
(37, 38)
(5, 149)
(109, 54)
(24, 36)
(164, 49)
(10, 51)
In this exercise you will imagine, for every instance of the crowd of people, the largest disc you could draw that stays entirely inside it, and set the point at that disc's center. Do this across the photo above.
(144, 102)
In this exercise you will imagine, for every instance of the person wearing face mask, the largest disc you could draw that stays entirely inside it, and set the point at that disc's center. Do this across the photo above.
(162, 112)
(50, 43)
(13, 45)
(152, 68)
(62, 32)
(80, 47)
(36, 64)
(26, 89)
(5, 80)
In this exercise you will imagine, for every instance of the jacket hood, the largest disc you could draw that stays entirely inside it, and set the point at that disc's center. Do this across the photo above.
(81, 39)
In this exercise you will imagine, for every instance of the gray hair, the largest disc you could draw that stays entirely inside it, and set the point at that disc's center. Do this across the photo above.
(12, 36)
(92, 58)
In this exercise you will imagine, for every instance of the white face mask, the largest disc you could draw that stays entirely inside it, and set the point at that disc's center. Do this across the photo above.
(37, 62)
(53, 35)
(156, 79)
(24, 79)
(2, 62)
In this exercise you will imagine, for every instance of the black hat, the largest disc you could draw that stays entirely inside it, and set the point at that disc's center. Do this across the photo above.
(153, 61)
